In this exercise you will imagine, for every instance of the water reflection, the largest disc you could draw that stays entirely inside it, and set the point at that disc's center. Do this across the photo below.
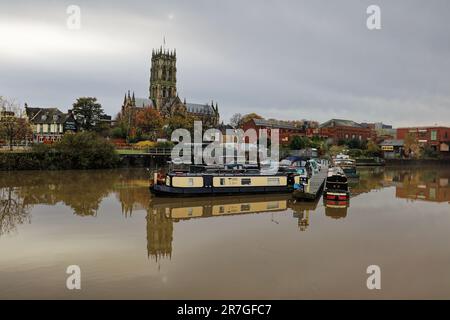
(82, 192)
(13, 210)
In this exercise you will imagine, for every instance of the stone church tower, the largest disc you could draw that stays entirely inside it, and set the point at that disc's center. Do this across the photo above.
(163, 76)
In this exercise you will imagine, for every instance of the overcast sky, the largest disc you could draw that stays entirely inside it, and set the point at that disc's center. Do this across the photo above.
(282, 59)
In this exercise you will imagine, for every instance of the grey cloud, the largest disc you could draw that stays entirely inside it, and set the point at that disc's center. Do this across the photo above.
(283, 59)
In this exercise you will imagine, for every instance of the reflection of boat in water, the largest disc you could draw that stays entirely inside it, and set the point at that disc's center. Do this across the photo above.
(215, 180)
(207, 207)
(336, 209)
(348, 165)
(203, 207)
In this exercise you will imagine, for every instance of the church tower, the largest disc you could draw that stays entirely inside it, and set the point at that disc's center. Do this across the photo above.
(163, 76)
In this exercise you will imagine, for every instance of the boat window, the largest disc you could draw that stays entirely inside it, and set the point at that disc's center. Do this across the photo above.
(222, 181)
(273, 181)
(245, 207)
(246, 181)
(191, 182)
(168, 181)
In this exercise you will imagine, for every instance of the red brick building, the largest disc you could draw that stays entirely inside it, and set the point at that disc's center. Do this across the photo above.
(286, 130)
(438, 138)
(338, 129)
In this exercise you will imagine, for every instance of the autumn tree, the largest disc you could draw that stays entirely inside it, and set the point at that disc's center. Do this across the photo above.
(373, 149)
(88, 112)
(412, 147)
(13, 123)
(179, 121)
(149, 121)
(249, 117)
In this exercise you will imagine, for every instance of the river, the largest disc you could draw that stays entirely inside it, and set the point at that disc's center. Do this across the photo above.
(130, 245)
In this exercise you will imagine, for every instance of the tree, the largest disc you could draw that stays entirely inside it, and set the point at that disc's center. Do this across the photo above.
(249, 117)
(87, 112)
(149, 121)
(179, 122)
(412, 147)
(299, 143)
(13, 124)
(236, 120)
(373, 149)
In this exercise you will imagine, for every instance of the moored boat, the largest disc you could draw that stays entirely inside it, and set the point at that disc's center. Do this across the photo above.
(214, 180)
(347, 164)
(336, 185)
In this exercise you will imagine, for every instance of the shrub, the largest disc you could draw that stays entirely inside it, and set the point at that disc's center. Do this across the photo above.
(144, 144)
(84, 150)
(165, 144)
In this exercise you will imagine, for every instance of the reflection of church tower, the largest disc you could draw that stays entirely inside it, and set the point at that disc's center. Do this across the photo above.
(163, 76)
(303, 219)
(159, 235)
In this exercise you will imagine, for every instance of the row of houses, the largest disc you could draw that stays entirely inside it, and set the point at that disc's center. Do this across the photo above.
(437, 139)
(391, 141)
(335, 129)
(50, 124)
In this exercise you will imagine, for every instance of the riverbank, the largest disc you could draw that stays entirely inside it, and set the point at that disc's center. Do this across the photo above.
(416, 162)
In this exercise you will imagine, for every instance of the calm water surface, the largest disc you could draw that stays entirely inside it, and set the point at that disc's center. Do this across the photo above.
(131, 245)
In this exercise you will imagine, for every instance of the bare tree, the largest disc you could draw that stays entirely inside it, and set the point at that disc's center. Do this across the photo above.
(13, 123)
(235, 120)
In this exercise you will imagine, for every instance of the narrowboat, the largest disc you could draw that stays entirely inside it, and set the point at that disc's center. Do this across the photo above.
(227, 180)
(336, 185)
(347, 164)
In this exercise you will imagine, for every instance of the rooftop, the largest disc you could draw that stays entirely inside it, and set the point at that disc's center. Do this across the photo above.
(393, 142)
(340, 123)
(275, 124)
(45, 115)
(199, 108)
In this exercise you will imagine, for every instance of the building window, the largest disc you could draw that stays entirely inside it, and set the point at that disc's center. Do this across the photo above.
(433, 135)
(246, 181)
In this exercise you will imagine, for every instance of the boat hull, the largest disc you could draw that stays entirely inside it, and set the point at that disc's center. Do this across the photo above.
(163, 190)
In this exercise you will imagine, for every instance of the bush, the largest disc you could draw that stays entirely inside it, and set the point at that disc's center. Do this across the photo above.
(166, 144)
(83, 150)
(118, 133)
(144, 144)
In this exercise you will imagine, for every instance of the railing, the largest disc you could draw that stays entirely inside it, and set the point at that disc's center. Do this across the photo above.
(163, 151)
(149, 151)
